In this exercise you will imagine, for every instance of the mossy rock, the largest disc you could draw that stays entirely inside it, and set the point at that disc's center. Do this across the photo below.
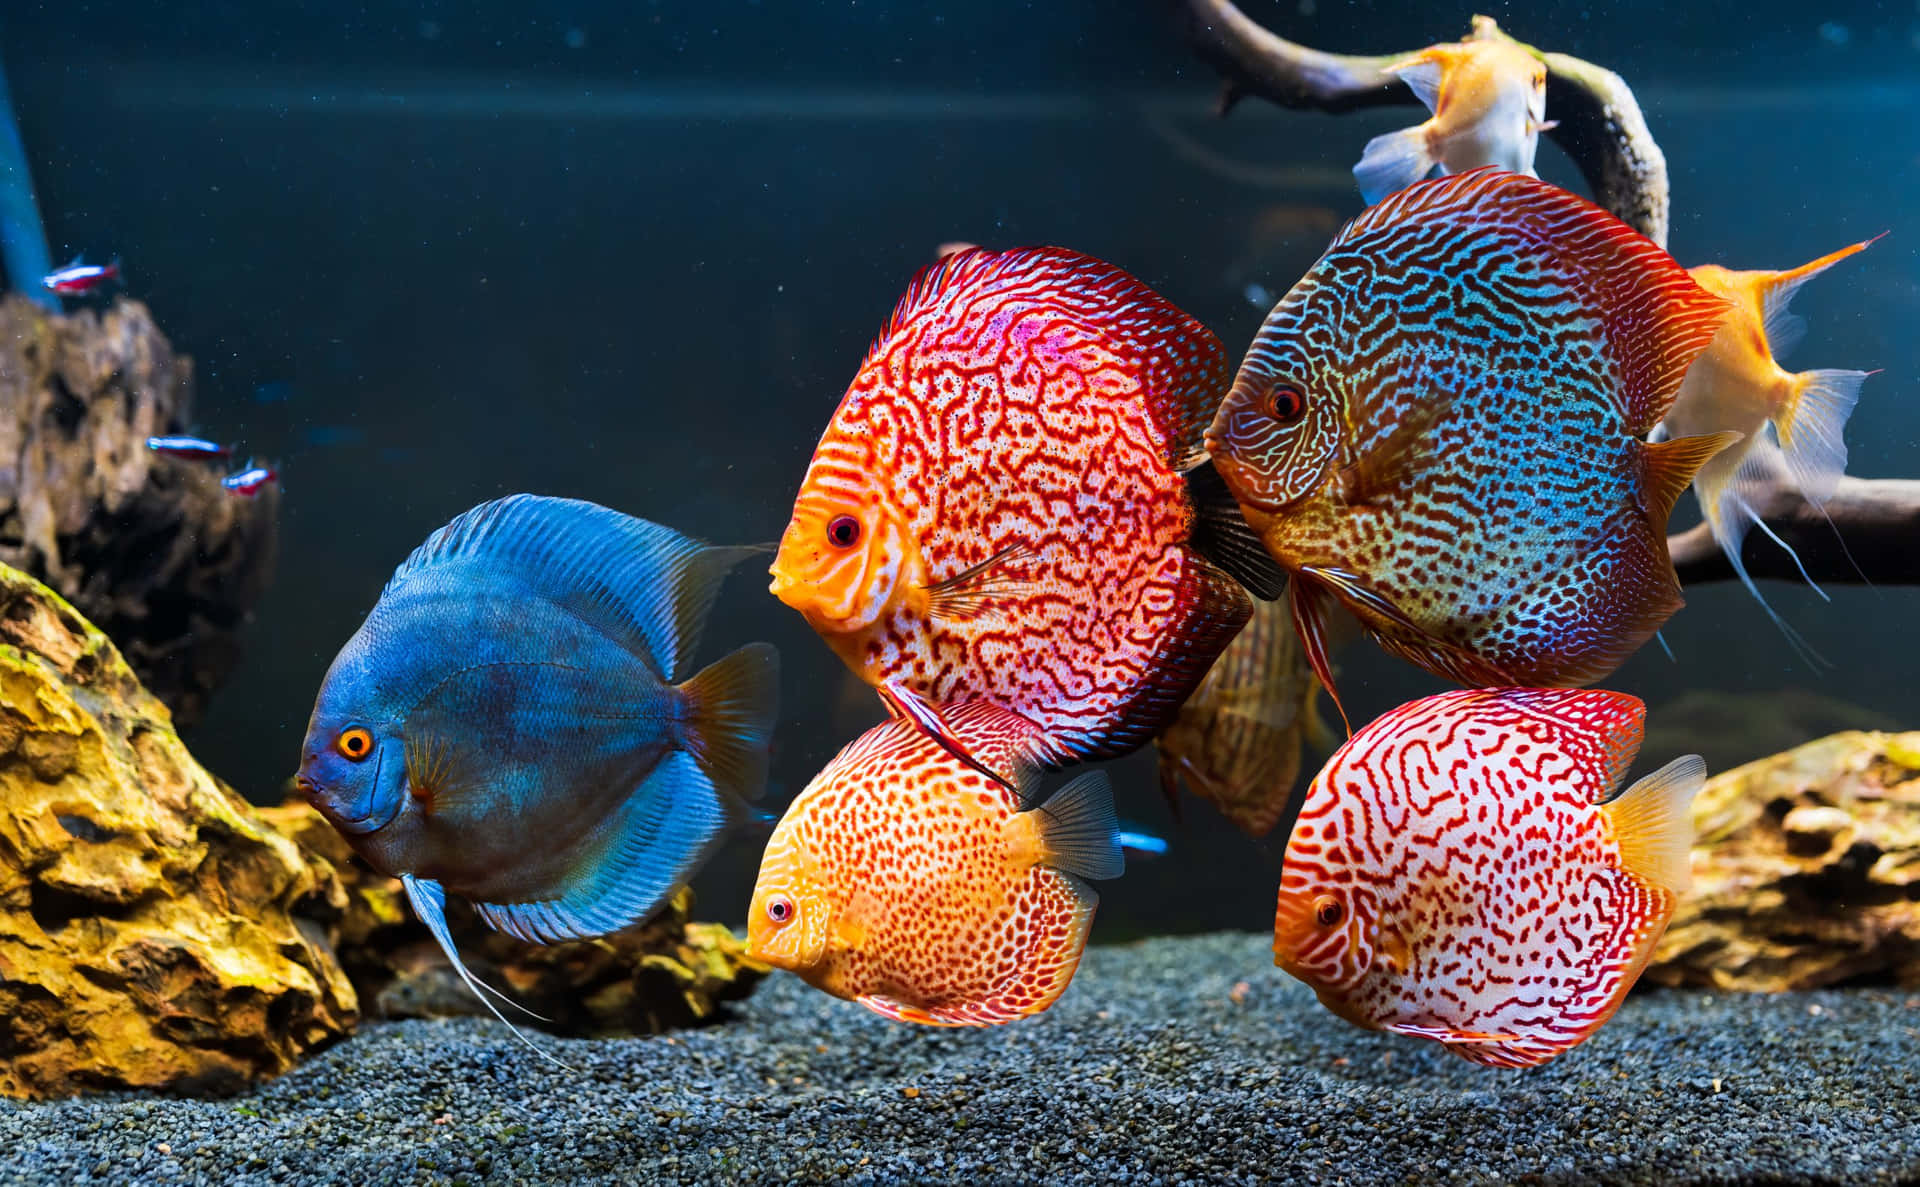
(154, 931)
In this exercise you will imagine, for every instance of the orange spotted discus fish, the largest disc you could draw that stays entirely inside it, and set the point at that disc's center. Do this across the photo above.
(1237, 740)
(999, 508)
(1792, 422)
(1458, 872)
(905, 880)
(1441, 426)
(1489, 101)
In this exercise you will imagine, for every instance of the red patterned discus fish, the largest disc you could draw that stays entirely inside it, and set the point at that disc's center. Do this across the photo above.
(905, 880)
(999, 510)
(1458, 872)
(1442, 426)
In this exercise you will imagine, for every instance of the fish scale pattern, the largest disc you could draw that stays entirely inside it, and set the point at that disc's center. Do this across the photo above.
(1480, 358)
(1035, 405)
(1463, 833)
(908, 850)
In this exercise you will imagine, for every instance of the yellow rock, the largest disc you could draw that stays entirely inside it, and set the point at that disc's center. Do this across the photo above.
(154, 932)
(1806, 871)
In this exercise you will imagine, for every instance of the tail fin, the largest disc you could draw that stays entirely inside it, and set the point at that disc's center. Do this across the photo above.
(1392, 162)
(731, 709)
(1079, 831)
(1653, 821)
(1728, 502)
(1810, 429)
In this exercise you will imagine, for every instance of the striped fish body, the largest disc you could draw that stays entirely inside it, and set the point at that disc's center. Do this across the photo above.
(1441, 426)
(1237, 741)
(905, 880)
(1453, 874)
(998, 511)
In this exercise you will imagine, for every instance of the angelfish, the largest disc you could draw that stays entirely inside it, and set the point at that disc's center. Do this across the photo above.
(1011, 504)
(1792, 422)
(904, 879)
(1441, 427)
(512, 723)
(1462, 870)
(1489, 101)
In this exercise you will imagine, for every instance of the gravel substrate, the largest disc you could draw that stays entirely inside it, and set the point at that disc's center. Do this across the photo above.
(1154, 1067)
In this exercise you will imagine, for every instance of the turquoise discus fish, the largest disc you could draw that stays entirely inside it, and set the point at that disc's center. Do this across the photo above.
(1442, 427)
(510, 724)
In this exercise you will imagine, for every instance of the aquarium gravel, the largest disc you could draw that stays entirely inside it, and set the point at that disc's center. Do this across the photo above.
(1173, 1059)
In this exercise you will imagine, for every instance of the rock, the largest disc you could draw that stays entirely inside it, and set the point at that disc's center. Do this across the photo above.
(151, 549)
(668, 972)
(154, 932)
(1730, 728)
(1806, 872)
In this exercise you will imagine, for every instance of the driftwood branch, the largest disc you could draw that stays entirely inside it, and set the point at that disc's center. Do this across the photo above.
(1600, 124)
(1869, 531)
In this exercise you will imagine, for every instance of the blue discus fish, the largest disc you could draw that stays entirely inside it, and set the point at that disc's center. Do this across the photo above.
(511, 723)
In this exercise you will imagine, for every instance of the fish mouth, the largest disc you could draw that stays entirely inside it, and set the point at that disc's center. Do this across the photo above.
(353, 826)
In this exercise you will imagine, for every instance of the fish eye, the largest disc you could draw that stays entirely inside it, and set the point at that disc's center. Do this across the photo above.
(843, 532)
(1329, 911)
(780, 908)
(1286, 403)
(355, 744)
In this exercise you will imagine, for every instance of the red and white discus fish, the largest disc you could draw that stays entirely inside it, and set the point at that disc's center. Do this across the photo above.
(1458, 872)
(905, 880)
(1000, 509)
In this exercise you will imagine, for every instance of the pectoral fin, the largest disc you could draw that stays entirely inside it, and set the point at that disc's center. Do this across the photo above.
(903, 702)
(973, 591)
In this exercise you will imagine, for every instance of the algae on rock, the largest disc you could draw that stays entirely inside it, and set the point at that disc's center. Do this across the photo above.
(668, 972)
(1806, 871)
(154, 931)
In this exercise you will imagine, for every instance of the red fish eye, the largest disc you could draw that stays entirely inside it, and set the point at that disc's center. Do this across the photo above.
(1329, 910)
(1286, 403)
(780, 908)
(843, 532)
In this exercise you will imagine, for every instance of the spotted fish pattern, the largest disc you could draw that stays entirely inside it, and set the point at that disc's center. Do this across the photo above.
(998, 509)
(1441, 426)
(1458, 872)
(906, 880)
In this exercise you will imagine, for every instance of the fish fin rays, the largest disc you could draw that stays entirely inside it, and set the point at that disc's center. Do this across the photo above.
(924, 714)
(1810, 429)
(639, 582)
(1671, 466)
(1449, 1036)
(1783, 329)
(1222, 535)
(1728, 502)
(646, 850)
(429, 903)
(972, 591)
(732, 706)
(1392, 161)
(1079, 832)
(1400, 635)
(1309, 602)
(1653, 822)
(1422, 74)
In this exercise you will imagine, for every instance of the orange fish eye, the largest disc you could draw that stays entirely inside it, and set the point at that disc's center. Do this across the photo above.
(355, 744)
(1329, 911)
(1286, 403)
(843, 532)
(780, 909)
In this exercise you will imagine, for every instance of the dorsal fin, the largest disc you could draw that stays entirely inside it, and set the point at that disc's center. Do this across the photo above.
(1181, 367)
(644, 585)
(1783, 328)
(1654, 318)
(1599, 730)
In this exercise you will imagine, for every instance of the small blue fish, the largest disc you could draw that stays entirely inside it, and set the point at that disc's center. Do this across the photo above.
(512, 723)
(1137, 842)
(250, 480)
(190, 447)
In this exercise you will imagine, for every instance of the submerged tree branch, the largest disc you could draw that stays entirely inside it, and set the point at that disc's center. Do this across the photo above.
(1600, 123)
(1869, 532)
